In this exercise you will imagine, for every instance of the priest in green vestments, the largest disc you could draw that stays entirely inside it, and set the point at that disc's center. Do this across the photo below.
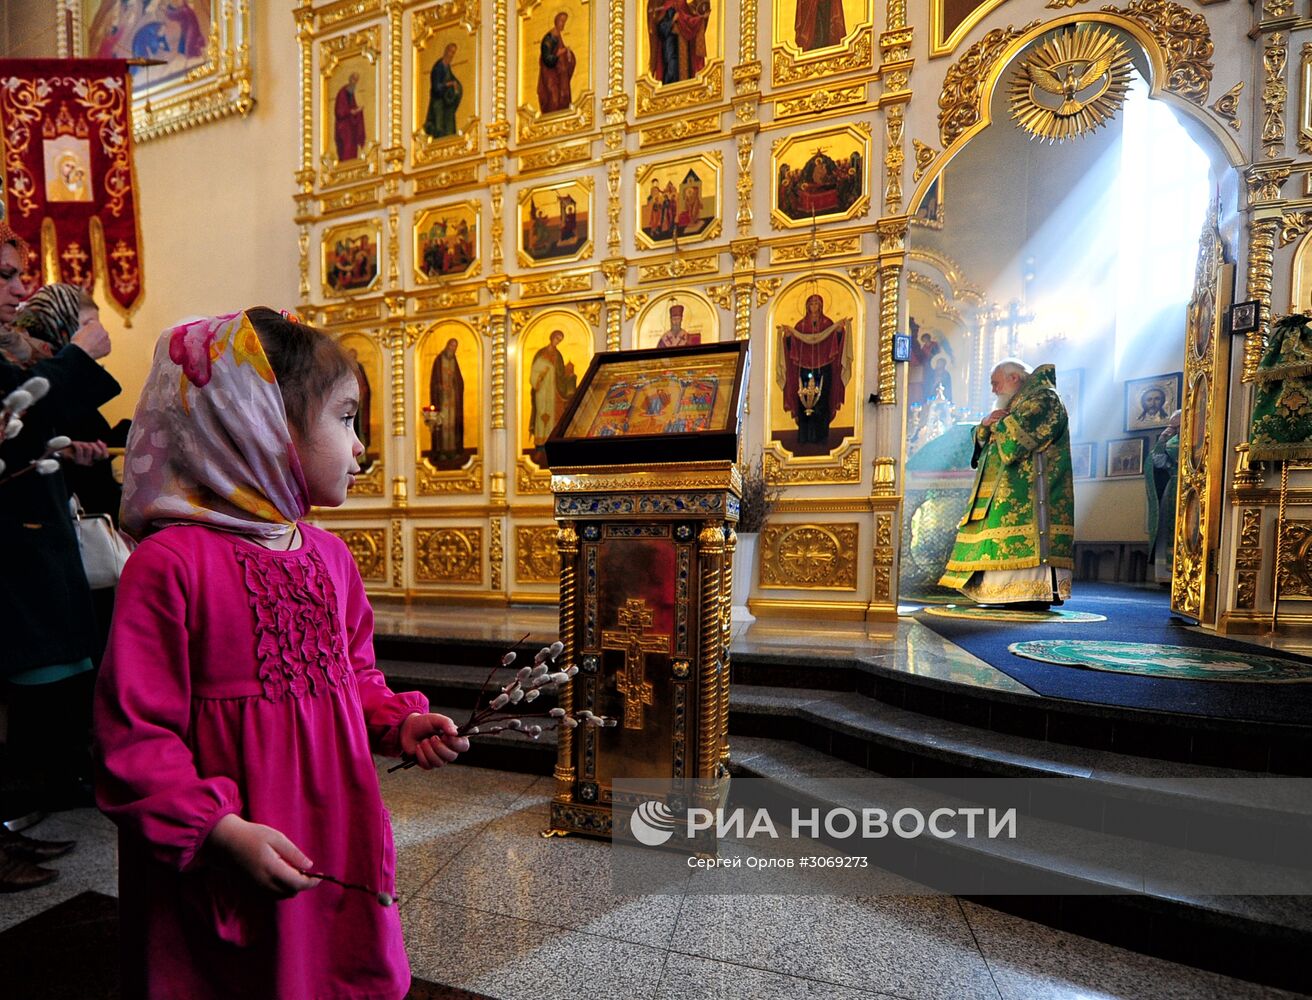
(1014, 544)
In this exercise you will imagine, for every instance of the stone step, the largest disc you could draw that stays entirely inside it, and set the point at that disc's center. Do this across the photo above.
(1281, 748)
(1115, 898)
(895, 742)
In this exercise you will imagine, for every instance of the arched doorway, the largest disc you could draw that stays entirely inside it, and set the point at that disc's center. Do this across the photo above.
(1086, 207)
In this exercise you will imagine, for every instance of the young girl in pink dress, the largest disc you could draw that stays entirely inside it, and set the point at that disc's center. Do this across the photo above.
(238, 704)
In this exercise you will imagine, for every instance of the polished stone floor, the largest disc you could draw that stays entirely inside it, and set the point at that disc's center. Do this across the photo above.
(906, 643)
(490, 906)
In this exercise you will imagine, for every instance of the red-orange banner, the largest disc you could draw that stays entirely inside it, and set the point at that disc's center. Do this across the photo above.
(70, 186)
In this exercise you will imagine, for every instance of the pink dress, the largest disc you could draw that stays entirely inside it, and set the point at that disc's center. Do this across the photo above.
(240, 679)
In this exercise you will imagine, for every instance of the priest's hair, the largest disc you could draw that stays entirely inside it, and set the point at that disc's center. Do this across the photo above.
(1012, 366)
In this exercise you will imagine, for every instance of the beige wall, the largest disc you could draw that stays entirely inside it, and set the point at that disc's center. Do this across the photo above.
(1111, 510)
(215, 200)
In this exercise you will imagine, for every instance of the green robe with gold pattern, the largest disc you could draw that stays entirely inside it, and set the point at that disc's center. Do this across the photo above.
(1022, 507)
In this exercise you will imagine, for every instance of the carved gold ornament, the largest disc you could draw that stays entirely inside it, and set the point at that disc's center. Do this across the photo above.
(536, 558)
(964, 84)
(449, 555)
(1227, 106)
(1071, 84)
(810, 556)
(368, 547)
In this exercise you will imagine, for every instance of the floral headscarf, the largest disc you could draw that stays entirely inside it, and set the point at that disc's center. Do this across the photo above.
(210, 442)
(51, 313)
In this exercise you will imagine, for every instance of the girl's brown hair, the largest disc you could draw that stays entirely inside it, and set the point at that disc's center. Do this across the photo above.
(306, 362)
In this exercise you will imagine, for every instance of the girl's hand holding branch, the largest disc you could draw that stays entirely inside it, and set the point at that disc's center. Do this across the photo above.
(432, 740)
(266, 855)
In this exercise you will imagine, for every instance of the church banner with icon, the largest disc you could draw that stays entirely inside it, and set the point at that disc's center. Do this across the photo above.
(69, 179)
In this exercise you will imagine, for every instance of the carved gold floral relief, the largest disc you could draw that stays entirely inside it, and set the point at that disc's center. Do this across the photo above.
(449, 555)
(368, 546)
(536, 557)
(809, 556)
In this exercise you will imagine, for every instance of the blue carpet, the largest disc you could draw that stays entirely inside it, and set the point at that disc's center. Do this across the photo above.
(1133, 615)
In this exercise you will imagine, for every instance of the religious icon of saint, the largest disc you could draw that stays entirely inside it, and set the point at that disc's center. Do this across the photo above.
(540, 240)
(447, 247)
(690, 203)
(821, 186)
(818, 24)
(348, 119)
(446, 394)
(655, 210)
(569, 218)
(1152, 406)
(676, 31)
(813, 368)
(354, 263)
(552, 384)
(555, 68)
(191, 36)
(676, 335)
(444, 93)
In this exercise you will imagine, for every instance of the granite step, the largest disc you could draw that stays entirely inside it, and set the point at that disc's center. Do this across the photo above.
(898, 743)
(1280, 748)
(1120, 897)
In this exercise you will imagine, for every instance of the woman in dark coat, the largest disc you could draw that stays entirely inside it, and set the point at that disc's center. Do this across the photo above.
(47, 625)
(52, 315)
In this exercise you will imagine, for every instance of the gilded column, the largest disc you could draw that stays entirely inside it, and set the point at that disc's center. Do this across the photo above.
(305, 62)
(499, 131)
(497, 323)
(1261, 258)
(744, 279)
(614, 271)
(884, 501)
(710, 545)
(892, 251)
(567, 544)
(726, 638)
(394, 156)
(396, 340)
(747, 31)
(615, 108)
(305, 174)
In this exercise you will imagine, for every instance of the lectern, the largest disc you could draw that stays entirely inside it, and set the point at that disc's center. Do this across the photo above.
(646, 491)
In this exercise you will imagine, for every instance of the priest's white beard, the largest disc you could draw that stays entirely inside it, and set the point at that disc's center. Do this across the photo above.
(1002, 400)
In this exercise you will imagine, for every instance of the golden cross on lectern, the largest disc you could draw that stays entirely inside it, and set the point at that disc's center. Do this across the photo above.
(632, 638)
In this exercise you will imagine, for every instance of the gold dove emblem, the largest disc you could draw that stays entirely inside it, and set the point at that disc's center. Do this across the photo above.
(1070, 83)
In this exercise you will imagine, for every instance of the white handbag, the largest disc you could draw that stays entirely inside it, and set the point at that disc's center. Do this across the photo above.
(104, 549)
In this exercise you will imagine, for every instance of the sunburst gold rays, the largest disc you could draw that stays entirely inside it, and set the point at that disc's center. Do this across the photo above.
(1071, 83)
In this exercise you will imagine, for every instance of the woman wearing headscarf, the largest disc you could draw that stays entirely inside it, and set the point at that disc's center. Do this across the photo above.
(47, 624)
(50, 317)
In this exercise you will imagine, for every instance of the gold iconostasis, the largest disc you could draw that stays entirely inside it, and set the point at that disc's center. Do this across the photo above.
(492, 193)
